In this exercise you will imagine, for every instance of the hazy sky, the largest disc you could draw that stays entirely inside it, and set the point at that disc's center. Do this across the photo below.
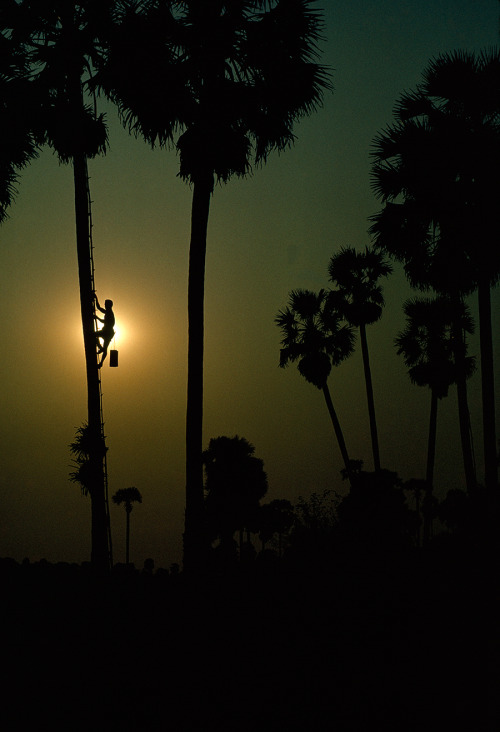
(268, 234)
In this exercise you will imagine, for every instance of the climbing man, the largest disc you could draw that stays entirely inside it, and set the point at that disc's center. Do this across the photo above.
(107, 331)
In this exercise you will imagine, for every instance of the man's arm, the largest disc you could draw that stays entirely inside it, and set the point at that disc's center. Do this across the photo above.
(98, 307)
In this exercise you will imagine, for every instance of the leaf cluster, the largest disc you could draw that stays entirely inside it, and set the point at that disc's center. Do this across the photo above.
(435, 169)
(89, 450)
(223, 81)
(234, 485)
(433, 345)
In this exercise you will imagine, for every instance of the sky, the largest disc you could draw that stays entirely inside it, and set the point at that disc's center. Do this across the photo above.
(268, 234)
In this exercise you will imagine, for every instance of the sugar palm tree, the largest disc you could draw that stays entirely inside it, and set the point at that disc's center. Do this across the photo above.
(235, 484)
(315, 336)
(436, 172)
(224, 82)
(428, 348)
(355, 276)
(60, 41)
(127, 496)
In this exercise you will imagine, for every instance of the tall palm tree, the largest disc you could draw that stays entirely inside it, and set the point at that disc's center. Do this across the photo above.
(315, 336)
(428, 348)
(127, 496)
(224, 82)
(61, 44)
(355, 276)
(436, 171)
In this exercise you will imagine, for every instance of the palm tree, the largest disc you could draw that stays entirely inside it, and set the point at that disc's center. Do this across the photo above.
(436, 171)
(428, 348)
(61, 43)
(314, 335)
(355, 276)
(235, 484)
(225, 82)
(127, 496)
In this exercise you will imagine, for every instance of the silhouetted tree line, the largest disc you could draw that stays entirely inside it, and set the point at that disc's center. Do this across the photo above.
(380, 519)
(435, 171)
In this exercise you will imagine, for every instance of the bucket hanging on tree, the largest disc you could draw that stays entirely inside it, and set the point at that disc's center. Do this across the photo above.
(113, 355)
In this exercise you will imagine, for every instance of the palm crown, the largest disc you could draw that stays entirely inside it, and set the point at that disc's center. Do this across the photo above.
(355, 276)
(314, 334)
(62, 43)
(127, 496)
(224, 76)
(435, 169)
(427, 343)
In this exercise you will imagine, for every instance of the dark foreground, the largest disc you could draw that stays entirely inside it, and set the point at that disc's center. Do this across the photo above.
(407, 644)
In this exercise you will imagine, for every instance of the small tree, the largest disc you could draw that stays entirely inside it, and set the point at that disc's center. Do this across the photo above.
(311, 539)
(276, 517)
(127, 496)
(235, 483)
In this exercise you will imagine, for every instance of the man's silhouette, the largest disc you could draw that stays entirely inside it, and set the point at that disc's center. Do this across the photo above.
(107, 331)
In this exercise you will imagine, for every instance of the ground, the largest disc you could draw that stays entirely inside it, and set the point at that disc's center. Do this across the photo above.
(409, 645)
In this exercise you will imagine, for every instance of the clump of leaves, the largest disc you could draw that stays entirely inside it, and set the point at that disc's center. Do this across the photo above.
(87, 443)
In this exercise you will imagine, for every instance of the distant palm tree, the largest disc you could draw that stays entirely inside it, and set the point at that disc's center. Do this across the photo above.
(428, 348)
(436, 171)
(315, 336)
(225, 81)
(355, 276)
(127, 496)
(61, 42)
(235, 484)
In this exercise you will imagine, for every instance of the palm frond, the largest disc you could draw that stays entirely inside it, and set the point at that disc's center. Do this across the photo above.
(314, 335)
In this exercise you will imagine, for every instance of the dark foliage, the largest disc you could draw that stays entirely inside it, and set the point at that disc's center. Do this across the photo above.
(235, 484)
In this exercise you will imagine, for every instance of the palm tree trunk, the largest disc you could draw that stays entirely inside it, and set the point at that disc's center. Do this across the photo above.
(466, 433)
(429, 473)
(99, 550)
(417, 510)
(460, 350)
(487, 383)
(338, 431)
(195, 542)
(369, 396)
(127, 536)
